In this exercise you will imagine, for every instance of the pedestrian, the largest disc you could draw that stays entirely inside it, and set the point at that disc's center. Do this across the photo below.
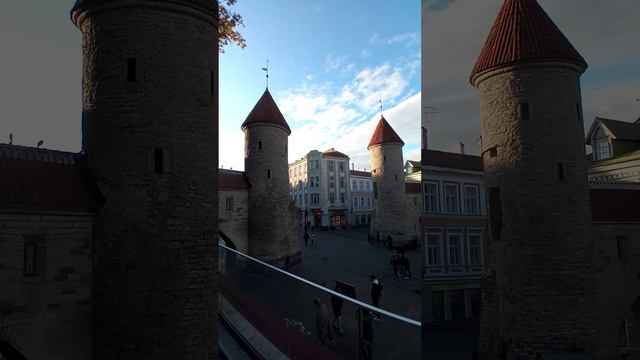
(394, 264)
(322, 322)
(336, 305)
(306, 238)
(389, 242)
(406, 266)
(312, 238)
(367, 334)
(376, 293)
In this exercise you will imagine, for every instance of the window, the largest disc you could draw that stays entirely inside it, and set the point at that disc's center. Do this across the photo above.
(474, 299)
(362, 202)
(368, 186)
(493, 152)
(475, 249)
(228, 203)
(268, 173)
(621, 247)
(396, 176)
(455, 249)
(331, 182)
(311, 182)
(369, 203)
(342, 197)
(317, 181)
(158, 161)
(260, 145)
(34, 255)
(315, 199)
(212, 82)
(451, 198)
(524, 111)
(131, 70)
(342, 181)
(602, 148)
(456, 298)
(29, 258)
(330, 162)
(437, 308)
(361, 185)
(317, 164)
(433, 250)
(495, 213)
(561, 171)
(355, 202)
(353, 185)
(341, 165)
(471, 199)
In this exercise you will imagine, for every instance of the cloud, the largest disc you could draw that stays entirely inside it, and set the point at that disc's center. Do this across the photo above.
(344, 115)
(332, 62)
(365, 53)
(407, 38)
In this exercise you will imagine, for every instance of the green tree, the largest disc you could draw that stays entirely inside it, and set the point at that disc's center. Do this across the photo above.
(228, 23)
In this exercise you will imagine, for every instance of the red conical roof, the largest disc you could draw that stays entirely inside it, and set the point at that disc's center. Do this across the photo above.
(266, 112)
(524, 32)
(384, 133)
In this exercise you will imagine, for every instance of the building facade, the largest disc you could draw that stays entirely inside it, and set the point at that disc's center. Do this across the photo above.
(615, 153)
(361, 204)
(319, 185)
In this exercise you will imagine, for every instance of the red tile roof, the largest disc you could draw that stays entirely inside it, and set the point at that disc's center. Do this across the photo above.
(615, 205)
(383, 134)
(232, 180)
(413, 188)
(334, 153)
(266, 112)
(451, 160)
(524, 32)
(359, 173)
(46, 179)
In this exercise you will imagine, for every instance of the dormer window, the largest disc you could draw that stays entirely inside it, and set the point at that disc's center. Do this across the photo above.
(603, 151)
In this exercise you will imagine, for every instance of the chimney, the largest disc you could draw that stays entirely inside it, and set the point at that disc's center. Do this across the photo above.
(353, 166)
(461, 147)
(424, 137)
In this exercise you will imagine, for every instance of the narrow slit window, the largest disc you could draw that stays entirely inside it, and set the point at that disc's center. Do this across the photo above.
(131, 70)
(396, 177)
(158, 161)
(524, 111)
(493, 152)
(561, 171)
(260, 145)
(268, 173)
(384, 157)
(579, 112)
(29, 258)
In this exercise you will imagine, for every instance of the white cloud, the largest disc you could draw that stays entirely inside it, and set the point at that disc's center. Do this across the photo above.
(365, 53)
(407, 38)
(332, 62)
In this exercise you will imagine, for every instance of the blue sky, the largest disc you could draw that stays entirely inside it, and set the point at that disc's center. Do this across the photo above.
(329, 63)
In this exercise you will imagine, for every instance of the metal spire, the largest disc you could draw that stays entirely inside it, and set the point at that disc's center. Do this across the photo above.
(380, 101)
(267, 70)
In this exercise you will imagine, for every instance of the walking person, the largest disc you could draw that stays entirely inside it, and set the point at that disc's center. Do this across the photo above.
(394, 264)
(306, 238)
(376, 293)
(312, 238)
(367, 334)
(406, 266)
(322, 322)
(336, 305)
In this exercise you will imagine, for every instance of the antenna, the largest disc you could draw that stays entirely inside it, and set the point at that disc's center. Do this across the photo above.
(11, 139)
(40, 143)
(267, 70)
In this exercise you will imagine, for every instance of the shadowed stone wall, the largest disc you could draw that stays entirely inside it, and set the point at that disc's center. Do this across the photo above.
(46, 315)
(272, 222)
(390, 206)
(540, 293)
(150, 134)
(234, 222)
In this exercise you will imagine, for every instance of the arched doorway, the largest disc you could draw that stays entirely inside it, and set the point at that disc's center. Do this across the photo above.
(8, 352)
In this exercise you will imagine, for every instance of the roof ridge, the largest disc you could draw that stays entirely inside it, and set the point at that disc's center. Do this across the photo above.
(383, 134)
(21, 152)
(266, 111)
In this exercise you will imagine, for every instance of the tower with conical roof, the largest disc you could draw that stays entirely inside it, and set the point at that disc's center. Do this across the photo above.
(539, 291)
(387, 175)
(273, 221)
(149, 132)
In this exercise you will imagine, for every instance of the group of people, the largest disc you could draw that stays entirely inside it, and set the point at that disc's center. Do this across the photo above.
(400, 264)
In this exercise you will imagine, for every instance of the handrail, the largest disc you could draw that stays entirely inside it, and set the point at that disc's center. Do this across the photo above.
(332, 292)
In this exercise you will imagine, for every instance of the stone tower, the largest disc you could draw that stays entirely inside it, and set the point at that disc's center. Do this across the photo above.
(387, 175)
(539, 290)
(274, 223)
(149, 126)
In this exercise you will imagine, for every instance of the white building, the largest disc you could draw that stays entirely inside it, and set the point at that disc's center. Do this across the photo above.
(361, 197)
(318, 183)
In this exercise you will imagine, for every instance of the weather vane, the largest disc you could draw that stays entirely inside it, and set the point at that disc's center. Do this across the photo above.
(380, 101)
(267, 70)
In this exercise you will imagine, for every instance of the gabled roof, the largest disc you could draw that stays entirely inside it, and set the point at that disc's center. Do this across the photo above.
(413, 163)
(619, 130)
(334, 153)
(232, 180)
(524, 32)
(266, 112)
(451, 160)
(46, 179)
(384, 134)
(359, 173)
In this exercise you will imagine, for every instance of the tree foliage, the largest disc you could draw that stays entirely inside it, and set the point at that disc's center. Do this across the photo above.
(229, 21)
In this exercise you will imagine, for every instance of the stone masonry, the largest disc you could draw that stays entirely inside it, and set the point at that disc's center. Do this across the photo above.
(387, 175)
(540, 297)
(150, 136)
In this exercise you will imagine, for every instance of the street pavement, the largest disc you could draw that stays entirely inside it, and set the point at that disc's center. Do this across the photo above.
(286, 305)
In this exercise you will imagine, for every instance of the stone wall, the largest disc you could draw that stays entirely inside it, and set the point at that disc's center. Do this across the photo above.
(150, 120)
(271, 237)
(543, 259)
(47, 315)
(387, 174)
(414, 211)
(618, 276)
(234, 222)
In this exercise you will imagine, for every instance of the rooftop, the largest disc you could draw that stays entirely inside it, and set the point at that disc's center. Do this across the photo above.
(232, 180)
(334, 153)
(384, 134)
(451, 160)
(524, 32)
(266, 112)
